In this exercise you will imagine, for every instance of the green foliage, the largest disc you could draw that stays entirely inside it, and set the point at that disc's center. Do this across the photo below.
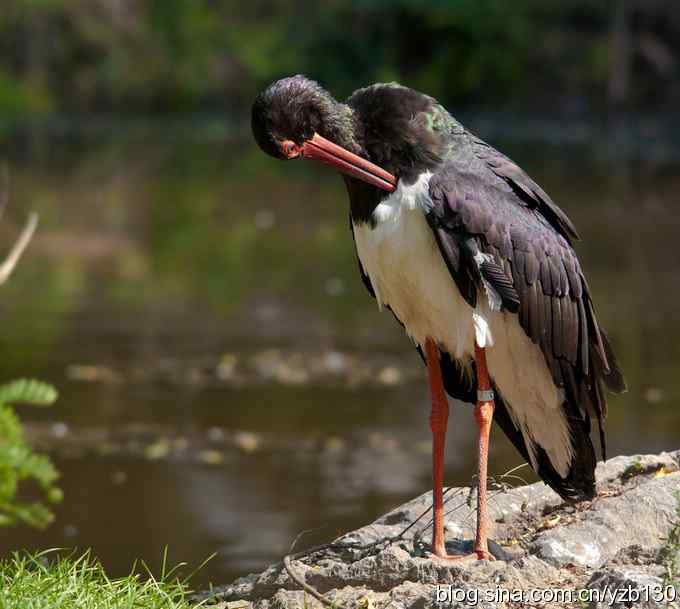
(169, 55)
(43, 581)
(18, 97)
(27, 391)
(634, 469)
(18, 463)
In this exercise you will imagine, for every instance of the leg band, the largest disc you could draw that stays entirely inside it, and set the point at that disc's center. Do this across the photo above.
(484, 395)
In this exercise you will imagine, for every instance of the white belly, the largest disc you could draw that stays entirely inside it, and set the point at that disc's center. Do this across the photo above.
(407, 272)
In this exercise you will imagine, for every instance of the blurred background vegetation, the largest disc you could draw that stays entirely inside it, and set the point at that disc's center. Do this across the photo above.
(225, 380)
(144, 56)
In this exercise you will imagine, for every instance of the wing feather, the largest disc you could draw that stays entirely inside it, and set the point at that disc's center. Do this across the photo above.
(557, 323)
(547, 330)
(531, 266)
(535, 313)
(510, 220)
(546, 279)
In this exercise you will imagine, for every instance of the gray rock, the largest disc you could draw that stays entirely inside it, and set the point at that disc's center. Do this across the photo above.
(641, 516)
(614, 470)
(639, 587)
(609, 544)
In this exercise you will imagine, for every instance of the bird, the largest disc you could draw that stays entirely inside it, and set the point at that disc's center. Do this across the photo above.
(476, 262)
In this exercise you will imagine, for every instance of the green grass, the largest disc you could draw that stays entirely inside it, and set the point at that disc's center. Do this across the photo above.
(49, 581)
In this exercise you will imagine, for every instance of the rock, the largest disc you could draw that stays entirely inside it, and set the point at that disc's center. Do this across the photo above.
(639, 587)
(619, 468)
(640, 516)
(595, 554)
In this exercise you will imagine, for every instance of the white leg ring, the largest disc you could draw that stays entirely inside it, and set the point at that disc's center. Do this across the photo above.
(485, 395)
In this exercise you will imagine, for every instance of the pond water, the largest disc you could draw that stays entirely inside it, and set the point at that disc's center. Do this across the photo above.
(225, 380)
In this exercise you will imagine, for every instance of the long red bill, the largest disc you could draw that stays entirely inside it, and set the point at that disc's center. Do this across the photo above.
(320, 149)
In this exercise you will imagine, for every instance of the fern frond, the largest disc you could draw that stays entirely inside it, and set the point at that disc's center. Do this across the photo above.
(18, 462)
(28, 391)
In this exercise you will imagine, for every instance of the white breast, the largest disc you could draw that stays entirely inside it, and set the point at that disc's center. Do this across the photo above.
(407, 272)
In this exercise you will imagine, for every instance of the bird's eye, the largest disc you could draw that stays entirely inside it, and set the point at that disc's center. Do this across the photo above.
(289, 149)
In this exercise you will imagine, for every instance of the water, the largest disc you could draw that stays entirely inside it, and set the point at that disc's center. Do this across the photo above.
(225, 380)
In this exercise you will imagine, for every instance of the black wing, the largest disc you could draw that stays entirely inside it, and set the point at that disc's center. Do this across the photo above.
(481, 202)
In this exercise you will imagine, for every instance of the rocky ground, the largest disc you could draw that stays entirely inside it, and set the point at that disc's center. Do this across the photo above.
(623, 547)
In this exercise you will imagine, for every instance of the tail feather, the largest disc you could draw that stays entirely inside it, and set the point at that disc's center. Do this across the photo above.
(579, 483)
(614, 378)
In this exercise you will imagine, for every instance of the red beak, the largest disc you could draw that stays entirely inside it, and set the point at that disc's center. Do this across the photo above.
(320, 149)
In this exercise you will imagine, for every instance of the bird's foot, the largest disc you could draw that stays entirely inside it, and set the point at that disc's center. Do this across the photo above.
(469, 553)
(457, 558)
(484, 555)
(478, 554)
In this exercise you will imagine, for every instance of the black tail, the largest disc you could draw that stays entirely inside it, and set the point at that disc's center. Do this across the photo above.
(579, 484)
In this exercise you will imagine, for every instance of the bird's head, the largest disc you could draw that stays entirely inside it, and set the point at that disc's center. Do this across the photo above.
(297, 118)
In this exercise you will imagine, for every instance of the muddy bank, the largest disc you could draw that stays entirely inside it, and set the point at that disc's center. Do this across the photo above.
(622, 544)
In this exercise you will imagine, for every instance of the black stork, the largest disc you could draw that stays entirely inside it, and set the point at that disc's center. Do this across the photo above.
(476, 262)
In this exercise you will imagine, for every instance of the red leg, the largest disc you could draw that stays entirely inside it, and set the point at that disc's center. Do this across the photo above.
(438, 420)
(483, 415)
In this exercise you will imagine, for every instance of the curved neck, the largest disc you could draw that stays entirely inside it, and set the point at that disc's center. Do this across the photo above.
(339, 126)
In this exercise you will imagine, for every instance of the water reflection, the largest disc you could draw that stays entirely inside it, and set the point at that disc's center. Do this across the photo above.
(163, 255)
